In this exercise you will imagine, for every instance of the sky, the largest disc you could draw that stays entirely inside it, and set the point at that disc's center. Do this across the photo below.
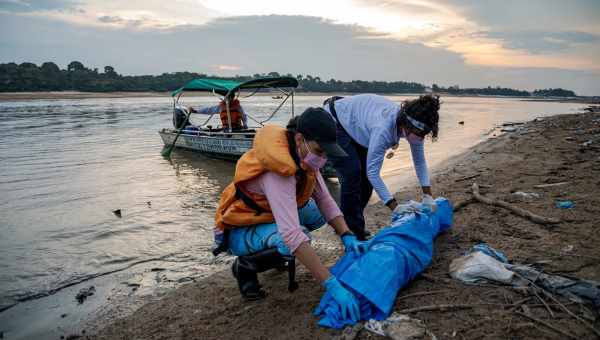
(510, 43)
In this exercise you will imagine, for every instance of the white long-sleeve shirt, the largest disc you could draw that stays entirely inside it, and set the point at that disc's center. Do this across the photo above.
(371, 121)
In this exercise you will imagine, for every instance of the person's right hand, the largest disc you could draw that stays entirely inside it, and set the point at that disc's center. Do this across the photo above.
(348, 303)
(351, 243)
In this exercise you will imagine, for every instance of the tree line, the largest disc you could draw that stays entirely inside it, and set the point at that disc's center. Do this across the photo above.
(77, 77)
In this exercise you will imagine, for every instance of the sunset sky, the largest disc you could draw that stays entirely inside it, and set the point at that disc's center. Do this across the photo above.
(522, 44)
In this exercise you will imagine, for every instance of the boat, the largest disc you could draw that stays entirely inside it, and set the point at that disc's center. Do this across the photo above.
(219, 142)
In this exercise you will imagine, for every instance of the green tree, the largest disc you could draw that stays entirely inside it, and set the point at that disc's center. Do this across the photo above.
(75, 66)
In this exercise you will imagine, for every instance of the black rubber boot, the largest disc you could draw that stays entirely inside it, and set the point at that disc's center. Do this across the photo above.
(245, 269)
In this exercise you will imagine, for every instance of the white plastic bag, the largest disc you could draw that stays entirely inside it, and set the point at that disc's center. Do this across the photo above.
(477, 267)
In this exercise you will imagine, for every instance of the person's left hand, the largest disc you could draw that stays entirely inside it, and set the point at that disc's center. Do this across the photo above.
(351, 243)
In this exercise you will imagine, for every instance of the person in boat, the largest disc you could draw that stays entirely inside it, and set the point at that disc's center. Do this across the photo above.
(277, 198)
(239, 120)
(367, 126)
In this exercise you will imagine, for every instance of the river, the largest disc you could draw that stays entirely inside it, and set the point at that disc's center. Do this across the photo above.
(68, 164)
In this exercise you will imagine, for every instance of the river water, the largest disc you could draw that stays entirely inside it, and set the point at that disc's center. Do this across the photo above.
(68, 164)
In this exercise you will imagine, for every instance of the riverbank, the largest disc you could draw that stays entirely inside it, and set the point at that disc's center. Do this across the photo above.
(552, 150)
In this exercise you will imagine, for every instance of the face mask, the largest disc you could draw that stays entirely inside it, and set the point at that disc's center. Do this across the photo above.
(315, 162)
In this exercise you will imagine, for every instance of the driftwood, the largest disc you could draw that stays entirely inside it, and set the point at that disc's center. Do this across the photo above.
(540, 186)
(422, 293)
(467, 178)
(562, 305)
(558, 330)
(463, 204)
(444, 308)
(518, 211)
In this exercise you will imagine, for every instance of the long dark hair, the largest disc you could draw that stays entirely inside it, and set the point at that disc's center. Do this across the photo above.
(426, 110)
(291, 128)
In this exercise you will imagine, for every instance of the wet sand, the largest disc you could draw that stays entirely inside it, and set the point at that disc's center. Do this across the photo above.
(552, 150)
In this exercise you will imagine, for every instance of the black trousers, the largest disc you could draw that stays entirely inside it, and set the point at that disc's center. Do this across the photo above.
(356, 189)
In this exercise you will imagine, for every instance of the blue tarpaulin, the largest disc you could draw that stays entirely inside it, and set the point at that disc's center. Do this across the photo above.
(396, 255)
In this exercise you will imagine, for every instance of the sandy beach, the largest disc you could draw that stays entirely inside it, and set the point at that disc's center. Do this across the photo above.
(546, 151)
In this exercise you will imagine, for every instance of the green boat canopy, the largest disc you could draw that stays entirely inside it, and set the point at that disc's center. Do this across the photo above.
(222, 86)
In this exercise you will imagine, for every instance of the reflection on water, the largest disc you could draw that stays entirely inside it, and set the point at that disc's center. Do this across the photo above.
(67, 164)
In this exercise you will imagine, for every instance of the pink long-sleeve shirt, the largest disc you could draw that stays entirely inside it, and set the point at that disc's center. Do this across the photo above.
(281, 195)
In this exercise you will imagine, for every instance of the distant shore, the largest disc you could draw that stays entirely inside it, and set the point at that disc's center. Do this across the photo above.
(58, 95)
(532, 158)
(10, 96)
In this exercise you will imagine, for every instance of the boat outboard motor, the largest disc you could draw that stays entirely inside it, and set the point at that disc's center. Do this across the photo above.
(179, 115)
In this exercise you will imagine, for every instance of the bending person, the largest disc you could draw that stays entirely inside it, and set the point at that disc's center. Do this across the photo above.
(367, 126)
(277, 197)
(239, 120)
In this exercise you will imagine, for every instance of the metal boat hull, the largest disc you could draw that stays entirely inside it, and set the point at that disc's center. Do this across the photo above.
(230, 146)
(222, 145)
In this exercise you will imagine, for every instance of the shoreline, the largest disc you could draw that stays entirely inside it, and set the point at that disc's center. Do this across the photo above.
(61, 95)
(515, 161)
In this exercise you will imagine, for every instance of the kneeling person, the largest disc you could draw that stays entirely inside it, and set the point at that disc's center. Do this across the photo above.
(277, 196)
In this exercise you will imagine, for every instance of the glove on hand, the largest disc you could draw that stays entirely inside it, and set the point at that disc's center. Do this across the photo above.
(348, 303)
(408, 207)
(429, 202)
(351, 243)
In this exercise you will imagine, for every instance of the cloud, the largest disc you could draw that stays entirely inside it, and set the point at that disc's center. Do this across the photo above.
(221, 68)
(542, 42)
(22, 6)
(111, 19)
(558, 15)
(260, 44)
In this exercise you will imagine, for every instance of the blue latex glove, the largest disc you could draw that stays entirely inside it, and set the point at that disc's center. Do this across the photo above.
(348, 303)
(351, 243)
(429, 203)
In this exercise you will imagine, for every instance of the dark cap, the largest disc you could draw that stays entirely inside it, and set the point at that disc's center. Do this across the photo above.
(317, 125)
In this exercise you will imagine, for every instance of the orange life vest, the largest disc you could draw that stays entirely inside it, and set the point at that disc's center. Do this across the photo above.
(235, 110)
(270, 152)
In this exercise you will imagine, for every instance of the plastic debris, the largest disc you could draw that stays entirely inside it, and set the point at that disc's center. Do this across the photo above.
(573, 288)
(484, 248)
(564, 204)
(526, 195)
(399, 327)
(479, 267)
(567, 249)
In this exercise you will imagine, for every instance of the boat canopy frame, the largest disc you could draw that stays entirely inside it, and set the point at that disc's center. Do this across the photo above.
(222, 88)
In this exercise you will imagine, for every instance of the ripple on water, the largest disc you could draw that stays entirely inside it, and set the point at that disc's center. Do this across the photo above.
(66, 164)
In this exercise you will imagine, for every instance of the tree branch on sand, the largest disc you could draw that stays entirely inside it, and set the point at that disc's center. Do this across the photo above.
(516, 210)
